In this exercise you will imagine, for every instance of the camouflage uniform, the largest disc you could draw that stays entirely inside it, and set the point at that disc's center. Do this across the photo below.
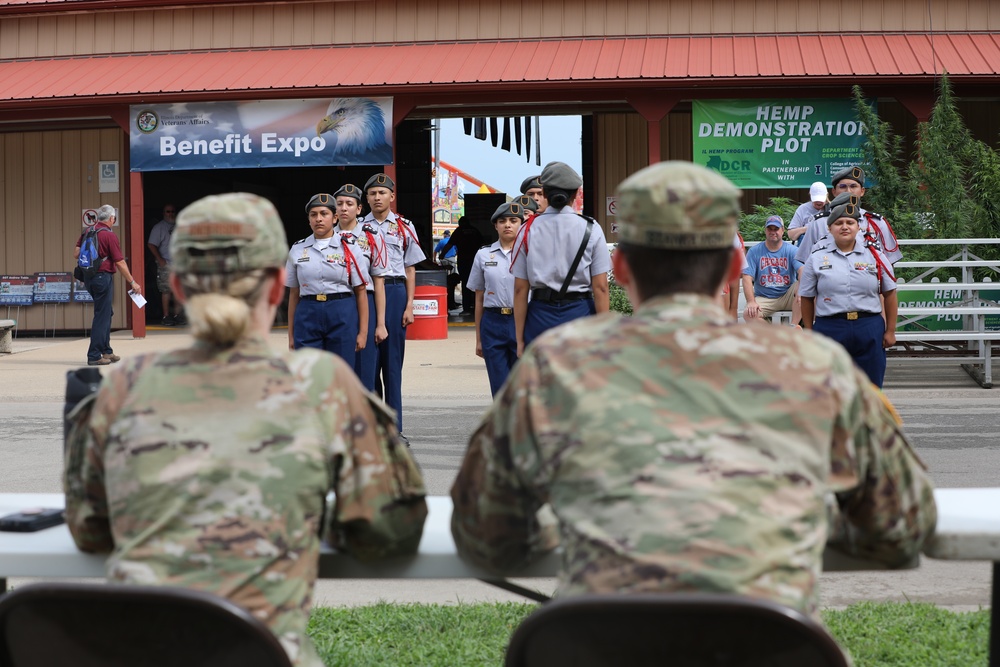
(209, 468)
(681, 451)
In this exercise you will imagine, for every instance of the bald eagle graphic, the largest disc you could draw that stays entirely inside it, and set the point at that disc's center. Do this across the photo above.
(355, 126)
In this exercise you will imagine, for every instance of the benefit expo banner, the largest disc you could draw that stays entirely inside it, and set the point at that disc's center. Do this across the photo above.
(268, 133)
(776, 143)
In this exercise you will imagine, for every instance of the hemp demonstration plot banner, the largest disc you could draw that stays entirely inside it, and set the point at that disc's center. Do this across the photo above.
(269, 133)
(776, 143)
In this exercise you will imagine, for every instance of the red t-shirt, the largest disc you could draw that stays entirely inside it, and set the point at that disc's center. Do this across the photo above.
(107, 247)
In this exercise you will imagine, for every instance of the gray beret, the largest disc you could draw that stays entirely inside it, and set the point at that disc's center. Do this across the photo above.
(380, 181)
(560, 175)
(511, 209)
(853, 173)
(530, 182)
(842, 198)
(348, 190)
(849, 210)
(527, 202)
(322, 199)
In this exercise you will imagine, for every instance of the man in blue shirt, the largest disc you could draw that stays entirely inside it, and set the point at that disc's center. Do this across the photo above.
(769, 277)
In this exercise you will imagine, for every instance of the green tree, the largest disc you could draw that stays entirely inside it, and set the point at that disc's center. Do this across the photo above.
(882, 150)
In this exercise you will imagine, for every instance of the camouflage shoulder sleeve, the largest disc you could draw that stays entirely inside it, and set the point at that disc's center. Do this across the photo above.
(500, 490)
(885, 506)
(380, 504)
(83, 473)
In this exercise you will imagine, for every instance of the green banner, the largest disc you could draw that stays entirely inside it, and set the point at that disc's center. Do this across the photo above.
(941, 296)
(776, 143)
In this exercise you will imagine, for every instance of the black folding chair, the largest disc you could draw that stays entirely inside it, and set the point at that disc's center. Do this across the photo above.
(98, 625)
(671, 630)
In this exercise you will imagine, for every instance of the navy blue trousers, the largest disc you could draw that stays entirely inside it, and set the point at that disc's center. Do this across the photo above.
(862, 338)
(498, 336)
(327, 325)
(543, 316)
(389, 372)
(102, 290)
(365, 360)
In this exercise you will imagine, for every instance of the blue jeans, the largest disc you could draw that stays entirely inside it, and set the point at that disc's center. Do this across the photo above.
(102, 290)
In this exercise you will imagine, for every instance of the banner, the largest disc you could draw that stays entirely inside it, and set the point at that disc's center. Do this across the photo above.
(52, 287)
(268, 133)
(80, 293)
(941, 296)
(776, 143)
(16, 290)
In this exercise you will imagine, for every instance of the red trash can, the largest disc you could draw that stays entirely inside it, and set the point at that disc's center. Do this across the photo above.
(430, 306)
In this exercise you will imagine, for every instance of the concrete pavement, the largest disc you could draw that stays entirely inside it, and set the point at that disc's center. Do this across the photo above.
(951, 421)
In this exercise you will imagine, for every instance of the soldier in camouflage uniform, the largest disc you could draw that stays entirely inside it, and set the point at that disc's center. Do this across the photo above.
(679, 450)
(209, 467)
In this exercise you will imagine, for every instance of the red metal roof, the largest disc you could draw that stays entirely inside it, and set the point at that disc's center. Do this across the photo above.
(739, 61)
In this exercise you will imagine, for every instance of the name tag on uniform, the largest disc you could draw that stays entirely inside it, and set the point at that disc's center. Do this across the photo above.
(301, 259)
(489, 263)
(824, 267)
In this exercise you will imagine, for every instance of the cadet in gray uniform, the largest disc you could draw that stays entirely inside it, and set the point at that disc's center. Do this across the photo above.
(850, 182)
(561, 257)
(368, 247)
(327, 300)
(496, 338)
(403, 252)
(841, 284)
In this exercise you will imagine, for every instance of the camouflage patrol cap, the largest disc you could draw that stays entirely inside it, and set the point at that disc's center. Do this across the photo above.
(529, 203)
(849, 210)
(321, 199)
(228, 233)
(512, 209)
(380, 181)
(856, 174)
(560, 175)
(348, 190)
(530, 182)
(677, 205)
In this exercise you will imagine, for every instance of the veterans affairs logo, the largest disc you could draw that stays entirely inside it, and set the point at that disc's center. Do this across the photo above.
(147, 121)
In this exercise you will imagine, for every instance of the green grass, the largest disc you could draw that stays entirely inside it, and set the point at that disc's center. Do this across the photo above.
(876, 634)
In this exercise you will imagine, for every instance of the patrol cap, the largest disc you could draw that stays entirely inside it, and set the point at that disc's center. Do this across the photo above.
(530, 182)
(560, 175)
(321, 199)
(856, 174)
(510, 209)
(348, 190)
(380, 181)
(848, 210)
(775, 221)
(677, 205)
(817, 191)
(228, 233)
(529, 203)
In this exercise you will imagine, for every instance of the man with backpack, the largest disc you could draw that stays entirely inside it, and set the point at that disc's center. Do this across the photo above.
(98, 279)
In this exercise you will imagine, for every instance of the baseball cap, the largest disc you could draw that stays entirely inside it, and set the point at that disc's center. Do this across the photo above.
(775, 221)
(228, 233)
(817, 191)
(677, 205)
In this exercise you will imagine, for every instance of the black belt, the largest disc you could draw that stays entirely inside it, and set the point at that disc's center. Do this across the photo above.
(392, 280)
(326, 297)
(853, 315)
(500, 311)
(548, 295)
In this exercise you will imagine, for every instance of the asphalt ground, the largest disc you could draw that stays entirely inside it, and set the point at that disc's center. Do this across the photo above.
(952, 422)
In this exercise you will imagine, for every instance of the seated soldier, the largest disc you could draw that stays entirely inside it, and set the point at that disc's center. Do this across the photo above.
(209, 467)
(678, 449)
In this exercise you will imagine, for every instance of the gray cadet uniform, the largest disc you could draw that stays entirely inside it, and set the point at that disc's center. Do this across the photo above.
(544, 251)
(846, 288)
(325, 271)
(491, 275)
(402, 250)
